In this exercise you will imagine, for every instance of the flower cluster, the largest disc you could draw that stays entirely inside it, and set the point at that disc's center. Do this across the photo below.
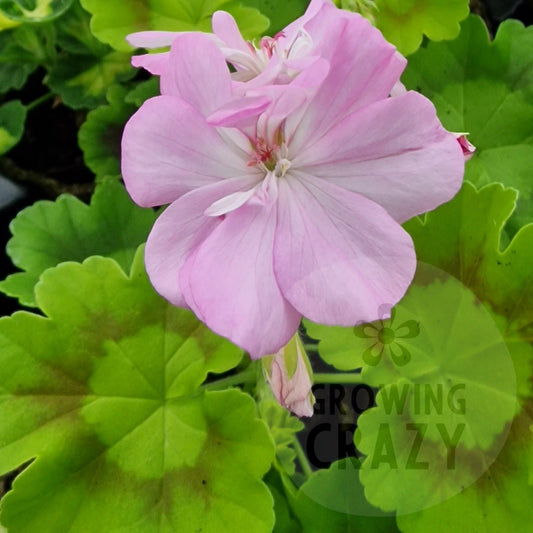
(288, 175)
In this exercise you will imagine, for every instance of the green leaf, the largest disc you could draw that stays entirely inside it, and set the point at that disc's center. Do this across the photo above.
(49, 233)
(485, 89)
(406, 472)
(285, 520)
(74, 33)
(12, 120)
(405, 22)
(142, 91)
(338, 346)
(22, 50)
(333, 500)
(85, 68)
(6, 23)
(499, 501)
(20, 285)
(104, 392)
(113, 21)
(280, 12)
(100, 135)
(442, 419)
(82, 80)
(34, 11)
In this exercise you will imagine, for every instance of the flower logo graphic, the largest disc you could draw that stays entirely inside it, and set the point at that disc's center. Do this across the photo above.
(385, 335)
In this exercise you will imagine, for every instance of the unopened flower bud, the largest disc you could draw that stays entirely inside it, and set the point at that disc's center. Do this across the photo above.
(289, 375)
(466, 145)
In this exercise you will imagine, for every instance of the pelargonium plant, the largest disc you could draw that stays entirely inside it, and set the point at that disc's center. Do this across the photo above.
(276, 271)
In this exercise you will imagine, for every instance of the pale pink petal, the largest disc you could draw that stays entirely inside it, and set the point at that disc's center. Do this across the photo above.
(198, 73)
(180, 229)
(229, 283)
(364, 68)
(289, 109)
(322, 25)
(394, 152)
(288, 100)
(312, 11)
(154, 63)
(285, 101)
(251, 76)
(226, 29)
(339, 258)
(168, 149)
(398, 89)
(239, 110)
(229, 203)
(152, 39)
(302, 63)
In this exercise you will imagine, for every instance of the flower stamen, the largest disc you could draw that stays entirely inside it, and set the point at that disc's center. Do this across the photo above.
(281, 167)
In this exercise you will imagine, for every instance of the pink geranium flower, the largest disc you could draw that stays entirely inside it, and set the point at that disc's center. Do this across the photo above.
(287, 202)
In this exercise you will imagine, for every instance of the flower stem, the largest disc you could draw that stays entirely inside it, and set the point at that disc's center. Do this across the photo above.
(348, 378)
(38, 101)
(246, 376)
(302, 458)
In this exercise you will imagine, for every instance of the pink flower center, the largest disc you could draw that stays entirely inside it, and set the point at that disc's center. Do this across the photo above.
(271, 158)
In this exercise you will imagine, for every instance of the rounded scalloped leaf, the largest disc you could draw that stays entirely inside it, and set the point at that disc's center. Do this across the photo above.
(48, 233)
(405, 22)
(220, 491)
(33, 10)
(103, 390)
(485, 88)
(180, 15)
